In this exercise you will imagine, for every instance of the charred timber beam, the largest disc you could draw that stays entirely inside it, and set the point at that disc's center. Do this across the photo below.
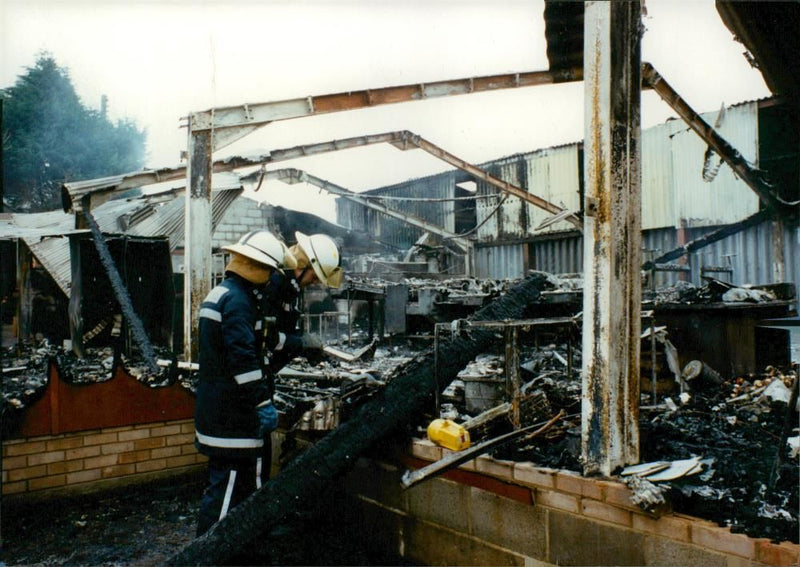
(121, 293)
(709, 238)
(754, 178)
(612, 236)
(401, 402)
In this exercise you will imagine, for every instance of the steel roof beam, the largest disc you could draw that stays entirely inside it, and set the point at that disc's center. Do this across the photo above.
(291, 176)
(230, 123)
(754, 178)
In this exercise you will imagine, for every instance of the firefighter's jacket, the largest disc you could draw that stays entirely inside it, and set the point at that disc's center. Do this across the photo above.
(282, 301)
(233, 376)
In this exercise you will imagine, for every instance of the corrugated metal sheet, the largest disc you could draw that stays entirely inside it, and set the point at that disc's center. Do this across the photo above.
(554, 175)
(500, 262)
(513, 216)
(143, 217)
(658, 198)
(726, 199)
(393, 231)
(748, 253)
(557, 255)
(35, 225)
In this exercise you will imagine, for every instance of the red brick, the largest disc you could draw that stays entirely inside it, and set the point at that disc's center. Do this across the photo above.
(530, 474)
(182, 439)
(166, 431)
(147, 466)
(45, 458)
(65, 467)
(14, 487)
(495, 467)
(64, 443)
(83, 476)
(671, 527)
(118, 470)
(100, 439)
(558, 500)
(569, 482)
(783, 554)
(100, 462)
(117, 429)
(82, 453)
(180, 461)
(47, 482)
(26, 473)
(605, 512)
(150, 443)
(15, 462)
(25, 449)
(424, 449)
(116, 448)
(133, 434)
(166, 452)
(133, 457)
(618, 494)
(721, 539)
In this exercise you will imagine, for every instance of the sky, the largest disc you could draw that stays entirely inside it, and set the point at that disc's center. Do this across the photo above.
(157, 61)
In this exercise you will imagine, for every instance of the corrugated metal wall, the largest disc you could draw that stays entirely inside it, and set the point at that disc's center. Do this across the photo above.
(749, 254)
(500, 262)
(727, 198)
(554, 175)
(393, 231)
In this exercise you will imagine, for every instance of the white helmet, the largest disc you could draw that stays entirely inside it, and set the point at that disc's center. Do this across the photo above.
(323, 255)
(265, 248)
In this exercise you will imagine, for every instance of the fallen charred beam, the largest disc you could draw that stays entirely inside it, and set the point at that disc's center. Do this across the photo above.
(121, 293)
(402, 401)
(710, 238)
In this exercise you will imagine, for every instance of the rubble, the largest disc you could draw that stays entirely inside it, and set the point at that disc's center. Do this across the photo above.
(745, 469)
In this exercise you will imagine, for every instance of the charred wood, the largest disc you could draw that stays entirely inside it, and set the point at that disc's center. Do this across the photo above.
(399, 403)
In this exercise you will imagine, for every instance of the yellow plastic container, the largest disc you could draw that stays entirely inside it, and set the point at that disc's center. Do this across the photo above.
(448, 434)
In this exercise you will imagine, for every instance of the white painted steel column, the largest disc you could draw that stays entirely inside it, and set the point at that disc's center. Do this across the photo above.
(612, 235)
(197, 240)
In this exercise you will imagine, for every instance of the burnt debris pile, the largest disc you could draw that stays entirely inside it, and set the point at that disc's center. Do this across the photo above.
(25, 373)
(96, 366)
(743, 431)
(718, 291)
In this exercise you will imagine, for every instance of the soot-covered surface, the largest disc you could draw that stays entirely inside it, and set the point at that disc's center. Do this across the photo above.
(749, 480)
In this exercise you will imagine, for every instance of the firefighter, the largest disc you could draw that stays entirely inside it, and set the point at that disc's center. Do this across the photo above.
(317, 261)
(234, 411)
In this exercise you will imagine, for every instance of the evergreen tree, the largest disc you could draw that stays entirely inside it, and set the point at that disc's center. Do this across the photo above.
(50, 137)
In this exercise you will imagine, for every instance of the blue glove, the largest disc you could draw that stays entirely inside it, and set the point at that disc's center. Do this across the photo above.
(267, 418)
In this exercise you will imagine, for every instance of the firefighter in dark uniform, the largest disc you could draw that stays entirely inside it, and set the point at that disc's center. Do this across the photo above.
(234, 411)
(317, 260)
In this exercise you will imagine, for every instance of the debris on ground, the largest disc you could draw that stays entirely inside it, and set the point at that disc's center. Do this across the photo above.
(733, 432)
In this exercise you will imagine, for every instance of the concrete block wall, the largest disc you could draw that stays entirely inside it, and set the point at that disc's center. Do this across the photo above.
(99, 458)
(241, 217)
(490, 512)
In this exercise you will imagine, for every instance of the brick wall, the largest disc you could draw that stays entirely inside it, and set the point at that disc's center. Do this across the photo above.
(97, 458)
(506, 513)
(242, 216)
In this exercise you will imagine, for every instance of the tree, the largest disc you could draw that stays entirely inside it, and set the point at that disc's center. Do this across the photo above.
(50, 137)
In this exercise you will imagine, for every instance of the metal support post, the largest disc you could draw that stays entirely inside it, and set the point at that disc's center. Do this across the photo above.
(197, 265)
(612, 236)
